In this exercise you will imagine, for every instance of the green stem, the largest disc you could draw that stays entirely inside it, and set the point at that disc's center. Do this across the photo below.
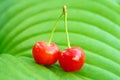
(65, 24)
(53, 30)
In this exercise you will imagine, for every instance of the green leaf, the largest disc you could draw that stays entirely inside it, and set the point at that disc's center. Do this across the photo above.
(94, 25)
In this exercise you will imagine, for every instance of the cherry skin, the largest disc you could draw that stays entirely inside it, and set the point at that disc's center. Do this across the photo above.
(72, 59)
(45, 54)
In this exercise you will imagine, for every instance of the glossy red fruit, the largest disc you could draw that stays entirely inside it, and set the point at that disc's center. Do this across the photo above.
(72, 59)
(45, 54)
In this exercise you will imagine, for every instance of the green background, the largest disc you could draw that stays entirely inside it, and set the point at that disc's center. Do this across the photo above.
(94, 25)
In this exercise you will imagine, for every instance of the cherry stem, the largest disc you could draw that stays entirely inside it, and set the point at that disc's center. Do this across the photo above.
(65, 24)
(53, 30)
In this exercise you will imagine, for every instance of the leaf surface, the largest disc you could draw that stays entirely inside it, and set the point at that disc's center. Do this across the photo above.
(94, 25)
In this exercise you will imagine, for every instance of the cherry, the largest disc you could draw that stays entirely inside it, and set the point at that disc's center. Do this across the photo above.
(73, 58)
(45, 54)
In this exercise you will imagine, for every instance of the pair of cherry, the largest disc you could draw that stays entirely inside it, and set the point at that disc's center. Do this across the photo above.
(47, 53)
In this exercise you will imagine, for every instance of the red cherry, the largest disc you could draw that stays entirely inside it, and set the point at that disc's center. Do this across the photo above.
(45, 54)
(72, 59)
